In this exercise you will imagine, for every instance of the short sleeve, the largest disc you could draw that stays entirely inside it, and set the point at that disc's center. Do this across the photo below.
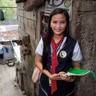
(77, 55)
(39, 49)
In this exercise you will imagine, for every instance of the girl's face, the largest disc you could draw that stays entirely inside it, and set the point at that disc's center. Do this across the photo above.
(58, 24)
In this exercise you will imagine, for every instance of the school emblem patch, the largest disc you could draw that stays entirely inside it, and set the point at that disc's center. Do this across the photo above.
(63, 54)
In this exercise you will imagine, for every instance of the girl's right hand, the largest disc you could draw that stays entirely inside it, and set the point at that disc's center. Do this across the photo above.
(54, 77)
(65, 77)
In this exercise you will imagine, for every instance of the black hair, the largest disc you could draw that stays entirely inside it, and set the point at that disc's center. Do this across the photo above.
(47, 36)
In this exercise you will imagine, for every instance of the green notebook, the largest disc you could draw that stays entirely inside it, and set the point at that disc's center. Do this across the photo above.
(77, 72)
(80, 72)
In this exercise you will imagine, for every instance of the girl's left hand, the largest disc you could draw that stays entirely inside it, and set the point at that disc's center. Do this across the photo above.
(65, 77)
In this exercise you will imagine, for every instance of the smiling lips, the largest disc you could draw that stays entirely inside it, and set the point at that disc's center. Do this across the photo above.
(57, 30)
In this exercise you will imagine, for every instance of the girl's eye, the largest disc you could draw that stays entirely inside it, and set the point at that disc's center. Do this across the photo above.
(62, 22)
(54, 22)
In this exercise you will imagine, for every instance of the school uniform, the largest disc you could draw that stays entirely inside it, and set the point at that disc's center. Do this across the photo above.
(68, 51)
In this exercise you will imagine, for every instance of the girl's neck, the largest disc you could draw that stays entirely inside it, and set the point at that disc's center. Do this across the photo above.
(57, 38)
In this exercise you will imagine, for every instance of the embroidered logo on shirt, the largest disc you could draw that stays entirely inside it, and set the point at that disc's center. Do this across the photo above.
(63, 54)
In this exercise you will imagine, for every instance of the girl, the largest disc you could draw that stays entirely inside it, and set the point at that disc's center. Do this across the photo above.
(55, 54)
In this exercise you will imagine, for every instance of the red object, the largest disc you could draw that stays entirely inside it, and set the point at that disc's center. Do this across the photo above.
(54, 62)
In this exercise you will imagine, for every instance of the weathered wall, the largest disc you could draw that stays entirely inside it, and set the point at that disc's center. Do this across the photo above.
(27, 32)
(83, 28)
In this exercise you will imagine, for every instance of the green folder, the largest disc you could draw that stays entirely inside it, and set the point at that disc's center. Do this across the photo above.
(79, 72)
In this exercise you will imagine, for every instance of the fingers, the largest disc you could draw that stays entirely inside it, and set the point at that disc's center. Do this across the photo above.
(62, 76)
(55, 76)
(65, 77)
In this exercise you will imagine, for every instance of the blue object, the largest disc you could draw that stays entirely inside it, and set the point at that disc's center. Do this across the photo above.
(7, 50)
(1, 51)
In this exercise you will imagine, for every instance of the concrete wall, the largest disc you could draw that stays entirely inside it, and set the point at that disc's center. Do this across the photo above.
(83, 28)
(27, 32)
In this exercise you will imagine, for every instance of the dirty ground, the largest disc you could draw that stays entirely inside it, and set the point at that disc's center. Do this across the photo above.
(8, 85)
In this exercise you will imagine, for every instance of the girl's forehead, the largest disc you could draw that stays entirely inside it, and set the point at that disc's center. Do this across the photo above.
(59, 16)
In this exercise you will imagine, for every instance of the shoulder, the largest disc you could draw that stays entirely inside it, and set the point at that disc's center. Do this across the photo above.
(39, 49)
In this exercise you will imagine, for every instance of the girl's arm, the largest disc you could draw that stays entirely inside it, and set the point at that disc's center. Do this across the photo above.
(38, 62)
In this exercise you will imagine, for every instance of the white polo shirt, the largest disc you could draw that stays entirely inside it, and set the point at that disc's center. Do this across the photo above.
(77, 55)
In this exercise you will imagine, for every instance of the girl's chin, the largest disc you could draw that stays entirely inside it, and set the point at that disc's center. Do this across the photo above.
(59, 34)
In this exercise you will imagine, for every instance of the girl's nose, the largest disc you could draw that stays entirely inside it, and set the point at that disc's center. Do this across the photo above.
(58, 25)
